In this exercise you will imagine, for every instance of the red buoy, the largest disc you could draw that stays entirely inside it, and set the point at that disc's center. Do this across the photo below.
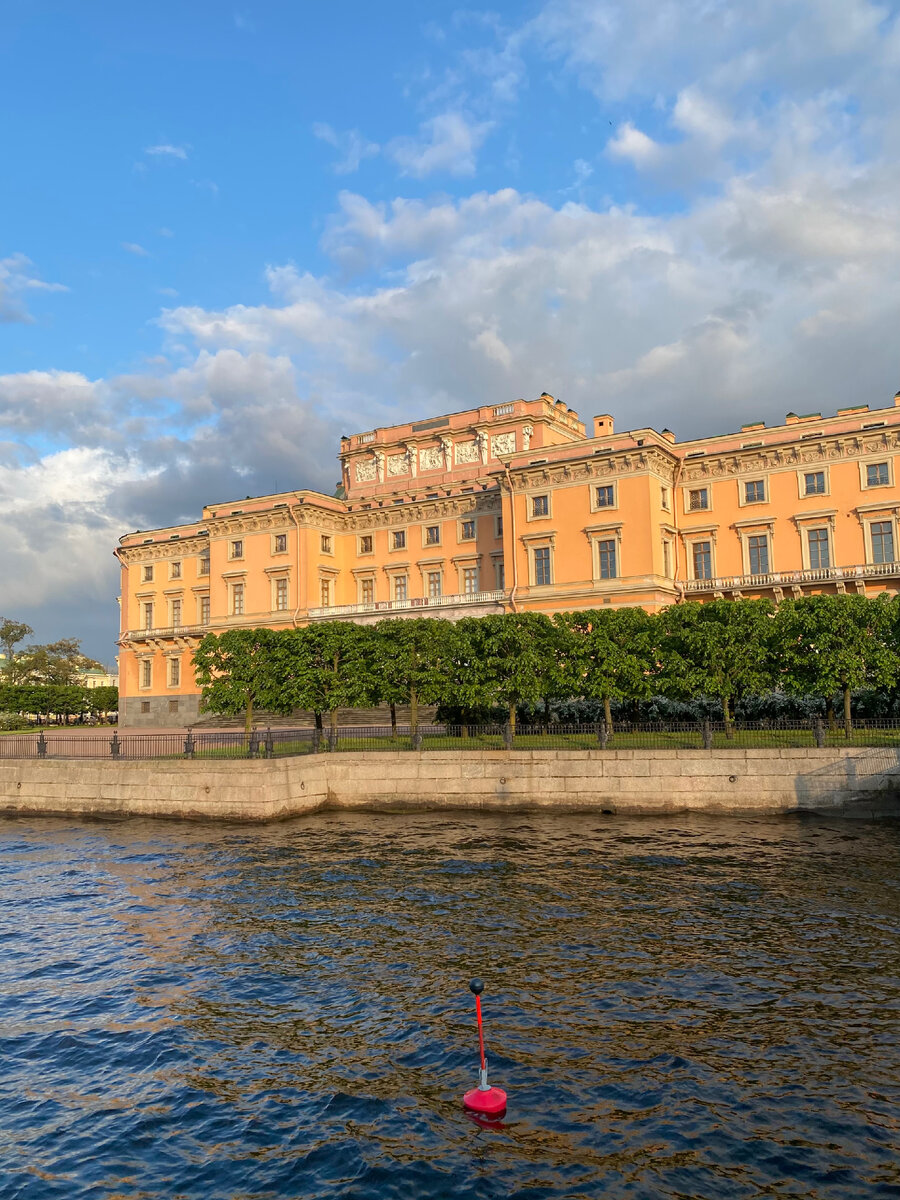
(485, 1100)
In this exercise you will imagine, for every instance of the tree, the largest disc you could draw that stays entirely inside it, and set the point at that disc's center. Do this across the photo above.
(722, 649)
(102, 700)
(235, 672)
(57, 663)
(411, 659)
(829, 643)
(11, 633)
(510, 659)
(324, 667)
(609, 654)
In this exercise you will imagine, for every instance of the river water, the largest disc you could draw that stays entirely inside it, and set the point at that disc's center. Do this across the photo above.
(678, 1007)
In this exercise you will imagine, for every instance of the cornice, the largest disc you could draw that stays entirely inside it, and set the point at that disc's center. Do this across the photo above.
(812, 451)
(154, 551)
(606, 466)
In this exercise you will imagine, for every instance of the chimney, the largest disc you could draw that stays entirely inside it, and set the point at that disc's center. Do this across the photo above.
(603, 426)
(668, 435)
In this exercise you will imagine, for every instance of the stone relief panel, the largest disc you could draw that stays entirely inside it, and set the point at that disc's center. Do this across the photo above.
(365, 470)
(397, 464)
(466, 452)
(503, 443)
(431, 460)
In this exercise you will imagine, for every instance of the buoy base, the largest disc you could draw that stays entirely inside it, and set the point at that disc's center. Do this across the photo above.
(490, 1103)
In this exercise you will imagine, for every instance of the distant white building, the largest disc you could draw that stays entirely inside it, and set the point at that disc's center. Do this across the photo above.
(97, 678)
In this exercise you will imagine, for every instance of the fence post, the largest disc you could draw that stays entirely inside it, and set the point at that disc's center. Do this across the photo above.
(317, 740)
(114, 745)
(819, 731)
(707, 734)
(270, 744)
(507, 736)
(42, 745)
(603, 734)
(253, 747)
(417, 740)
(189, 744)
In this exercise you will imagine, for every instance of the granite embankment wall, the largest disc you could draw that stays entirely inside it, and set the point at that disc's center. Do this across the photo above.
(863, 782)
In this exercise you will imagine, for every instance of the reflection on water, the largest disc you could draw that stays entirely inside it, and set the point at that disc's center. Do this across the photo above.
(689, 1007)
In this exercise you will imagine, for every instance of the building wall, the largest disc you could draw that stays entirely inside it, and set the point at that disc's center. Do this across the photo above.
(511, 507)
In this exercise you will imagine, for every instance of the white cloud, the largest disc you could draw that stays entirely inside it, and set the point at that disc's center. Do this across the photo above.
(353, 147)
(633, 144)
(448, 142)
(167, 150)
(134, 248)
(17, 279)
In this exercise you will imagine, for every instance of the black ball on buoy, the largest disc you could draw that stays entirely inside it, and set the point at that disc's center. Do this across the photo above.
(476, 986)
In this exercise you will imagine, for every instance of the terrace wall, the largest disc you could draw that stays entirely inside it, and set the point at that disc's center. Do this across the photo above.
(851, 782)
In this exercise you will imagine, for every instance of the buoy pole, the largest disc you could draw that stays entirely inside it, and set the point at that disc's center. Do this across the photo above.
(485, 1100)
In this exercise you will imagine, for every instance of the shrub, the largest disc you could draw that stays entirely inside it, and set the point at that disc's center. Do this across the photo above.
(13, 722)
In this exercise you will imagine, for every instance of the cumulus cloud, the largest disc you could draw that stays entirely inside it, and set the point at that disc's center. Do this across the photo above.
(17, 280)
(448, 142)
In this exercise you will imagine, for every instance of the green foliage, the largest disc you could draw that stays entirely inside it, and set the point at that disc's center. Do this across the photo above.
(410, 661)
(722, 649)
(608, 654)
(234, 671)
(11, 722)
(325, 667)
(506, 660)
(102, 700)
(11, 633)
(830, 643)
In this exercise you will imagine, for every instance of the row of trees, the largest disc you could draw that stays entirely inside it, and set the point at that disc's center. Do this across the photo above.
(59, 701)
(726, 649)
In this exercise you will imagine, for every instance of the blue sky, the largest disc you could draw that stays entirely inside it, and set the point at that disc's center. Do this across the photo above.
(230, 233)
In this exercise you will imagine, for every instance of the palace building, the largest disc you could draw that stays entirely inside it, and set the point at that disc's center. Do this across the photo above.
(517, 506)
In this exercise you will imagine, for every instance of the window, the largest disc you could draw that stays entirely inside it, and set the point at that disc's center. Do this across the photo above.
(702, 557)
(814, 483)
(819, 554)
(400, 587)
(145, 706)
(173, 706)
(498, 527)
(606, 551)
(203, 565)
(758, 547)
(540, 506)
(664, 497)
(146, 672)
(174, 672)
(605, 496)
(237, 549)
(325, 542)
(281, 595)
(325, 593)
(667, 559)
(148, 616)
(470, 580)
(175, 570)
(367, 591)
(877, 474)
(432, 535)
(147, 575)
(237, 599)
(500, 571)
(281, 543)
(754, 491)
(882, 541)
(467, 531)
(542, 566)
(698, 499)
(366, 544)
(398, 539)
(204, 610)
(434, 584)
(176, 612)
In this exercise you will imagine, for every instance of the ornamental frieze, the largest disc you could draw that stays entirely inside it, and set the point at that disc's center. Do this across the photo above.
(183, 547)
(761, 460)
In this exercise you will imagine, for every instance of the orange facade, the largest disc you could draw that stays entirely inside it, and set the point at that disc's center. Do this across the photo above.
(517, 506)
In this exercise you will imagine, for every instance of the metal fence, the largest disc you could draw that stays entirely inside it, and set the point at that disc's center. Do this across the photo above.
(621, 735)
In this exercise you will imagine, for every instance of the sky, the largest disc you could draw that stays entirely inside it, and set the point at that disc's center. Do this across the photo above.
(231, 233)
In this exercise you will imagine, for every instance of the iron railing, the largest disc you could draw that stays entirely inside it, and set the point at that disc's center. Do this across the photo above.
(344, 610)
(727, 583)
(621, 735)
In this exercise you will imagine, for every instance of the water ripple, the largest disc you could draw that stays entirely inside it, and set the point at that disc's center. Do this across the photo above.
(697, 1008)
